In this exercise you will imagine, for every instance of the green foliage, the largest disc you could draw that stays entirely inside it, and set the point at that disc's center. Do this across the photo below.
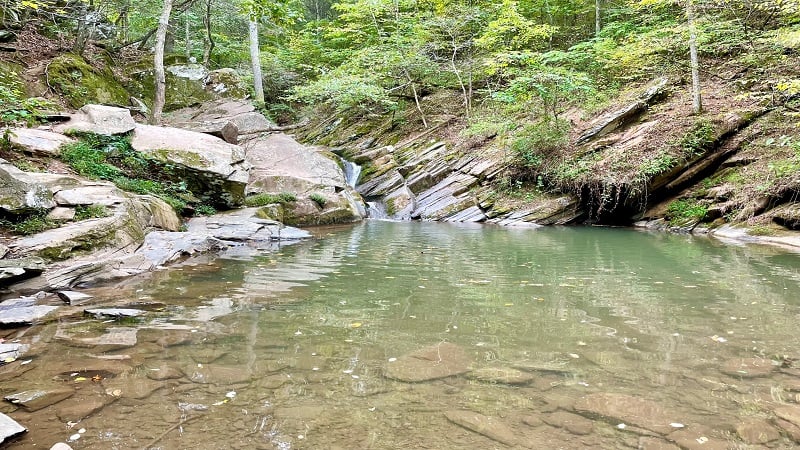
(283, 198)
(17, 109)
(204, 210)
(698, 139)
(28, 224)
(319, 199)
(682, 211)
(83, 212)
(657, 165)
(534, 142)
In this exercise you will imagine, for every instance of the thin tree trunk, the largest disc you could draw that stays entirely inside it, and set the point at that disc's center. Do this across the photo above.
(598, 25)
(187, 36)
(161, 36)
(208, 46)
(416, 98)
(255, 59)
(697, 101)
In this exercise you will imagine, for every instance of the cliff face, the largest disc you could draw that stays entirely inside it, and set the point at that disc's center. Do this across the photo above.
(644, 160)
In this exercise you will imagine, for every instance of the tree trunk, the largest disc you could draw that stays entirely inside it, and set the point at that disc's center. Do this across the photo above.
(187, 36)
(161, 36)
(208, 46)
(598, 25)
(255, 59)
(697, 101)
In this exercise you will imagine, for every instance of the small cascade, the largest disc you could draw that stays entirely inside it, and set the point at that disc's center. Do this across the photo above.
(351, 172)
(377, 210)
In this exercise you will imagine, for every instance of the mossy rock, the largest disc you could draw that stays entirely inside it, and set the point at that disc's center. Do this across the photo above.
(81, 83)
(180, 92)
(11, 77)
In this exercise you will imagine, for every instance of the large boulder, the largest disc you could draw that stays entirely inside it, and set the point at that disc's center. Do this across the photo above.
(279, 164)
(99, 119)
(81, 83)
(41, 142)
(213, 169)
(20, 192)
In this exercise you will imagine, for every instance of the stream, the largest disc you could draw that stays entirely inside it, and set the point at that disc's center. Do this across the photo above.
(544, 338)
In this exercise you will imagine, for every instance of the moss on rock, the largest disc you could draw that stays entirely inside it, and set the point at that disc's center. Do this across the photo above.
(81, 83)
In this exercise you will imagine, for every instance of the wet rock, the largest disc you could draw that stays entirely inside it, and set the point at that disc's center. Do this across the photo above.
(653, 443)
(114, 312)
(445, 198)
(790, 413)
(12, 351)
(532, 421)
(113, 338)
(164, 372)
(437, 361)
(502, 375)
(73, 297)
(25, 315)
(487, 426)
(40, 142)
(9, 428)
(748, 367)
(300, 412)
(216, 374)
(60, 446)
(573, 423)
(37, 399)
(788, 428)
(757, 431)
(699, 437)
(99, 119)
(620, 408)
(215, 170)
(133, 387)
(75, 411)
(244, 225)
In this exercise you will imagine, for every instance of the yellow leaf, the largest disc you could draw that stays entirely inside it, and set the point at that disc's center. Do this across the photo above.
(355, 325)
(80, 379)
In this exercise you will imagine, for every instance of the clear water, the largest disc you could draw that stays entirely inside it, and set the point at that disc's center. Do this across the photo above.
(289, 350)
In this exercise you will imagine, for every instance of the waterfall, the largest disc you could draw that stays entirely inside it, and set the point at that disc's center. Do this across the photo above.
(377, 210)
(351, 172)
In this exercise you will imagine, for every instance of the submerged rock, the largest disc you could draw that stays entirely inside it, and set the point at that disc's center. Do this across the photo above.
(9, 428)
(748, 367)
(37, 399)
(757, 431)
(437, 361)
(502, 375)
(620, 408)
(573, 423)
(487, 426)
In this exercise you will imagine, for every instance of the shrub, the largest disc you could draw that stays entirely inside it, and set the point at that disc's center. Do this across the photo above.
(268, 199)
(319, 199)
(84, 212)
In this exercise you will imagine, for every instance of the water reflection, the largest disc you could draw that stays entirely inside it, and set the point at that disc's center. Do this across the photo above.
(290, 349)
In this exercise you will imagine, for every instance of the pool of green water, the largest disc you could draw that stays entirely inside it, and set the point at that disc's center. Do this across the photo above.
(543, 338)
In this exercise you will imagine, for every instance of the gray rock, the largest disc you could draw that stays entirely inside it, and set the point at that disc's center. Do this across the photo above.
(12, 270)
(37, 399)
(9, 428)
(437, 361)
(487, 426)
(244, 225)
(25, 315)
(3, 251)
(194, 72)
(20, 192)
(216, 171)
(113, 338)
(73, 297)
(99, 194)
(60, 446)
(114, 312)
(38, 141)
(21, 302)
(12, 351)
(61, 214)
(100, 119)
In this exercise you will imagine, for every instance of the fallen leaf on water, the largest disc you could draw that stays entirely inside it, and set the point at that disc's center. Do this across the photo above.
(80, 379)
(355, 325)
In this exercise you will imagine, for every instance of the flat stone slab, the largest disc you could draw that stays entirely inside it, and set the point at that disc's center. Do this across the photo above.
(573, 423)
(502, 375)
(73, 297)
(26, 315)
(789, 413)
(9, 428)
(437, 361)
(38, 141)
(90, 195)
(36, 399)
(113, 338)
(100, 119)
(757, 431)
(12, 351)
(748, 367)
(13, 270)
(621, 408)
(114, 312)
(487, 426)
